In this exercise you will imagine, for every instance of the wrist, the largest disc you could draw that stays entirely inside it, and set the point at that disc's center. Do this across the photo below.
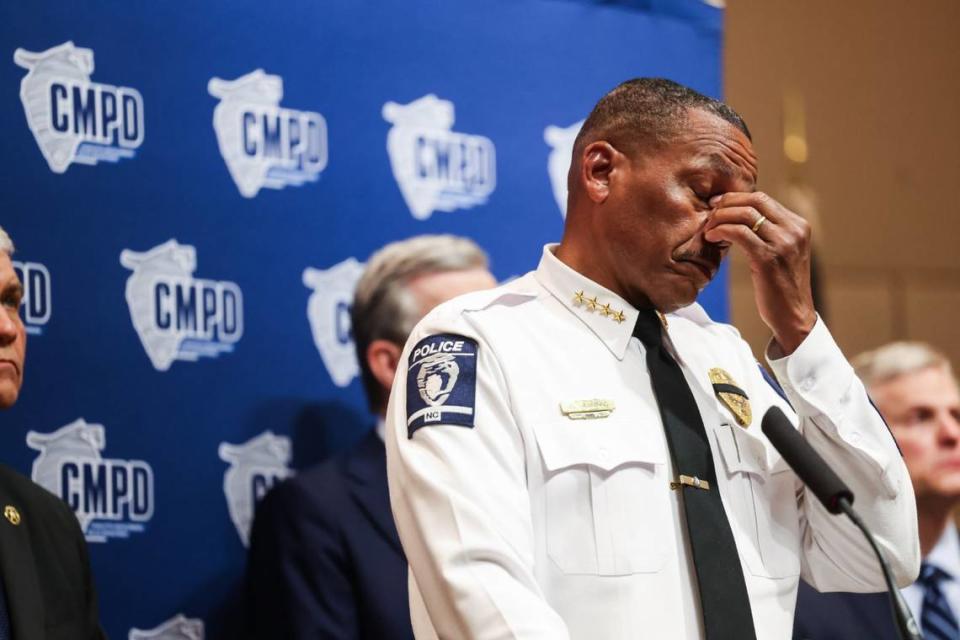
(792, 336)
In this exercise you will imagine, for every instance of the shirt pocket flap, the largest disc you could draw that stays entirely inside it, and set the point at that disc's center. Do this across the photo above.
(602, 443)
(741, 451)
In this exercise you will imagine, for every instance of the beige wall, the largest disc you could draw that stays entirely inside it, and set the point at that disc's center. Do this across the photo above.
(880, 82)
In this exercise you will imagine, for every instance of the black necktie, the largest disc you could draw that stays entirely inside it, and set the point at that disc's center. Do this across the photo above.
(723, 592)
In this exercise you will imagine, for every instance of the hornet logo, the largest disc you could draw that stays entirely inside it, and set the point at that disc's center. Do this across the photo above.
(437, 169)
(558, 163)
(177, 316)
(328, 312)
(178, 627)
(112, 498)
(263, 144)
(37, 295)
(255, 466)
(72, 118)
(437, 377)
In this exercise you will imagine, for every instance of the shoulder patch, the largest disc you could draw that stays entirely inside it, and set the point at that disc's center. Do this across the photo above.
(441, 382)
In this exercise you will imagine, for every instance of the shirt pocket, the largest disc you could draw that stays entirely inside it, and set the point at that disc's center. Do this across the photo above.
(761, 495)
(606, 492)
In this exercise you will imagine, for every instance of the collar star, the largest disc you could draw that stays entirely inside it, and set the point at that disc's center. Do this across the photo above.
(593, 304)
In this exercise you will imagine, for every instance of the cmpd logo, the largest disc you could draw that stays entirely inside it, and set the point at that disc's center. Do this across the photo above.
(255, 466)
(561, 141)
(264, 144)
(177, 316)
(112, 498)
(436, 168)
(37, 295)
(71, 118)
(328, 311)
(178, 627)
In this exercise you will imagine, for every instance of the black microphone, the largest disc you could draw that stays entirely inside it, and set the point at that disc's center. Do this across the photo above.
(805, 461)
(814, 472)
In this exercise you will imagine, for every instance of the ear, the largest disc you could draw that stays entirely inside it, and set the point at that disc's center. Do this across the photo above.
(383, 357)
(596, 165)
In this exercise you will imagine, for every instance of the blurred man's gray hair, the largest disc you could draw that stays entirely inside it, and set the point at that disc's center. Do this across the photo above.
(385, 309)
(896, 359)
(6, 244)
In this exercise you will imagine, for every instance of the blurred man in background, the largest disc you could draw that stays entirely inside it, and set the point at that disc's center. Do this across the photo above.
(916, 391)
(47, 587)
(325, 560)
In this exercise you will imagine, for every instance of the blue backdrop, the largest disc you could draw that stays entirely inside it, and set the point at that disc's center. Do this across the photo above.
(192, 188)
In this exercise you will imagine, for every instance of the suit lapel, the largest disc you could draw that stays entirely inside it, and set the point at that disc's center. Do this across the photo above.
(366, 471)
(20, 580)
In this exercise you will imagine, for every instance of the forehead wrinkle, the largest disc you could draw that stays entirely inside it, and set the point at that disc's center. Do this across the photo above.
(719, 163)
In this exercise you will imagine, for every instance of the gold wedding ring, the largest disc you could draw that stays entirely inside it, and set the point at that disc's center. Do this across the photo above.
(760, 221)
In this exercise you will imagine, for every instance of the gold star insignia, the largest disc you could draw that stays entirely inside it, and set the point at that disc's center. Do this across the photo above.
(619, 317)
(605, 310)
(592, 303)
(578, 298)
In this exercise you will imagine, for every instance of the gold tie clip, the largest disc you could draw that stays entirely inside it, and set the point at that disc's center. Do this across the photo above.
(691, 481)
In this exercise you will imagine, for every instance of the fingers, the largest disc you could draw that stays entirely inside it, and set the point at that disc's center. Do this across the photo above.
(735, 220)
(740, 235)
(745, 216)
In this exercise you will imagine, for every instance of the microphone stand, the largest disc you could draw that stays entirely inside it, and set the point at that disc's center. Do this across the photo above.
(902, 618)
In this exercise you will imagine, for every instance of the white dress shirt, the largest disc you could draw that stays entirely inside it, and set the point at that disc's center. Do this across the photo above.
(945, 555)
(533, 525)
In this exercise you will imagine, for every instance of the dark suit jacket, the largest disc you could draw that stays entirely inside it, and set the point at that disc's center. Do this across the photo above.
(45, 566)
(843, 616)
(325, 560)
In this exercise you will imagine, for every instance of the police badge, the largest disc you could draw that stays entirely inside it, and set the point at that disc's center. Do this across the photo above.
(732, 396)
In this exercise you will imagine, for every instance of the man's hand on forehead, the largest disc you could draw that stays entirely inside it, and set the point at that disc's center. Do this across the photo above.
(777, 244)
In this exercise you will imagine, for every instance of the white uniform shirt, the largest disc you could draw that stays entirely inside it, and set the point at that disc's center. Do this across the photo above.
(532, 525)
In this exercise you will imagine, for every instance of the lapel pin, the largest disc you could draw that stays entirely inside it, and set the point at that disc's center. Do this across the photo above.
(10, 513)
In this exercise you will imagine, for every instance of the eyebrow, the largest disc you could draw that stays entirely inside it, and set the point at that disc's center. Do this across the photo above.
(720, 164)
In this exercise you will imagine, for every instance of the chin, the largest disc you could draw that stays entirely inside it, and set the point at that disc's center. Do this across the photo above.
(7, 398)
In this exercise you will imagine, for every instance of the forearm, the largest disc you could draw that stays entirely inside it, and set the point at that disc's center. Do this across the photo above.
(839, 421)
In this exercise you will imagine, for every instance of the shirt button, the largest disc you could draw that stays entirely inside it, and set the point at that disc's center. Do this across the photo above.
(807, 383)
(602, 454)
(854, 437)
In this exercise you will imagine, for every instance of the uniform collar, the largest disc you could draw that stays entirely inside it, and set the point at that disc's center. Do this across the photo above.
(607, 315)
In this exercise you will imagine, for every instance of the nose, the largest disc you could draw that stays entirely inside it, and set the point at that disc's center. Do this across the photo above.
(9, 326)
(949, 428)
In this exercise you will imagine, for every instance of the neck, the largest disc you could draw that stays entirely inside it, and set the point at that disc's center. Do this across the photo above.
(584, 261)
(933, 516)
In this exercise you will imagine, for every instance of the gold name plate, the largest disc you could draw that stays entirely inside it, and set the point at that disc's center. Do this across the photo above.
(587, 409)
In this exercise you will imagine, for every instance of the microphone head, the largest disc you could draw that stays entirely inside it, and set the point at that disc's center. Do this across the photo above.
(812, 470)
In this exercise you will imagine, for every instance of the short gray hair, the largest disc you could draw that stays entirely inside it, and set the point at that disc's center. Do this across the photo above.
(6, 244)
(896, 359)
(385, 309)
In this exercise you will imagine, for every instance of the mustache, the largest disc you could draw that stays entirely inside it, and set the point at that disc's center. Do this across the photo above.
(710, 254)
